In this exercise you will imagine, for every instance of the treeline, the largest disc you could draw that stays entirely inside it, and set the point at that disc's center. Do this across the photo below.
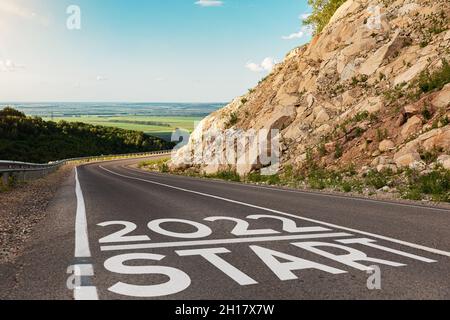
(31, 139)
(145, 123)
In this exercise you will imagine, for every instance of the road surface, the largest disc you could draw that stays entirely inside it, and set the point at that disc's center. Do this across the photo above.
(115, 232)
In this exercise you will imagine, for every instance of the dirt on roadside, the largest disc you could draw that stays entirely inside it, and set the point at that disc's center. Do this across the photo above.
(22, 208)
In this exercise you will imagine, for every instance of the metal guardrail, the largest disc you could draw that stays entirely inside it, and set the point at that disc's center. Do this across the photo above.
(11, 171)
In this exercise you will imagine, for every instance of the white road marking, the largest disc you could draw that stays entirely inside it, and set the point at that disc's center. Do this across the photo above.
(401, 242)
(81, 233)
(317, 194)
(82, 246)
(85, 293)
(84, 270)
(175, 244)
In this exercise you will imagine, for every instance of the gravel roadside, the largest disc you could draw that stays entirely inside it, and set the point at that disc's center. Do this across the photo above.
(22, 208)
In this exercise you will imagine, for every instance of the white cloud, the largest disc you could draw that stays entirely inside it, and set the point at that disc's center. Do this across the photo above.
(10, 66)
(209, 3)
(266, 65)
(304, 31)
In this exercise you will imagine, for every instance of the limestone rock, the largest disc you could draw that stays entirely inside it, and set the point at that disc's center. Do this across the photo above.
(387, 167)
(407, 159)
(376, 60)
(322, 117)
(411, 73)
(371, 105)
(444, 160)
(439, 140)
(442, 100)
(386, 145)
(412, 126)
(418, 165)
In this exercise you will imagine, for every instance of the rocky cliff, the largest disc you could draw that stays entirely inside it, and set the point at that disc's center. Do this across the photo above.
(370, 90)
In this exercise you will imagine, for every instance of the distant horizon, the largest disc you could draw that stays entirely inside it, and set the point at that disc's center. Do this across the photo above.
(115, 102)
(122, 109)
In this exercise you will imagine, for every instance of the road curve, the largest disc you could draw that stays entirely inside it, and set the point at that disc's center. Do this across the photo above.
(115, 232)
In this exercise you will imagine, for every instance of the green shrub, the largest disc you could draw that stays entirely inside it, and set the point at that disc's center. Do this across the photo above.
(412, 194)
(436, 80)
(426, 113)
(429, 156)
(338, 152)
(256, 177)
(361, 116)
(12, 181)
(229, 175)
(322, 150)
(376, 179)
(445, 121)
(346, 186)
(233, 119)
(382, 134)
(435, 184)
(157, 165)
(322, 12)
(3, 188)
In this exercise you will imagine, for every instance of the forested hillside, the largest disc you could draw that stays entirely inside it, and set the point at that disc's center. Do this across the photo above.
(32, 139)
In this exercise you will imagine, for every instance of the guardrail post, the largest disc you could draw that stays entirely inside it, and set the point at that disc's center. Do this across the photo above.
(5, 176)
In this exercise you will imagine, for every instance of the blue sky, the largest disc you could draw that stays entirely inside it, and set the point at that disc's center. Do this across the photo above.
(143, 50)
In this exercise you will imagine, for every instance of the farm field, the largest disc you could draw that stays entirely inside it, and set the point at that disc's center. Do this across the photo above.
(160, 126)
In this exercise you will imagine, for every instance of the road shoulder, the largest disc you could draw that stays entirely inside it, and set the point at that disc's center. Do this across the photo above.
(44, 243)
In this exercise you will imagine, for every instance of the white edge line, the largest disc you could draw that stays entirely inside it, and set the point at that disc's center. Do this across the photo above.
(82, 245)
(81, 233)
(405, 243)
(314, 193)
(222, 241)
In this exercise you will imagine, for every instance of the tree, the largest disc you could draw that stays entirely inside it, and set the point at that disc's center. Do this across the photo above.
(10, 112)
(323, 10)
(32, 139)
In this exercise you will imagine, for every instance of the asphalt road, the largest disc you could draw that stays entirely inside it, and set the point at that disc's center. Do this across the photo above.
(114, 232)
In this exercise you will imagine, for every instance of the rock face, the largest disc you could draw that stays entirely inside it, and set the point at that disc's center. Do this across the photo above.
(345, 98)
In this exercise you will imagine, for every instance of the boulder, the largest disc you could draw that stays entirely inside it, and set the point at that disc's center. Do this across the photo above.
(442, 99)
(285, 99)
(374, 62)
(413, 125)
(418, 165)
(386, 145)
(386, 167)
(440, 140)
(411, 109)
(371, 105)
(322, 117)
(444, 160)
(407, 159)
(411, 73)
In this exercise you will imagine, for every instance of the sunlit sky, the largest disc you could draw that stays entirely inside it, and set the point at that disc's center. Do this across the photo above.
(143, 50)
